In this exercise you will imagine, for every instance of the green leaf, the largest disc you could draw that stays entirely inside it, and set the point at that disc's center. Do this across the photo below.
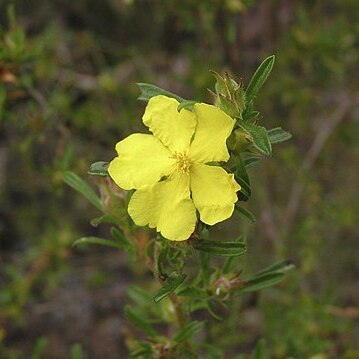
(259, 137)
(228, 265)
(192, 292)
(268, 276)
(250, 115)
(99, 168)
(139, 295)
(241, 176)
(251, 161)
(264, 281)
(188, 104)
(97, 240)
(106, 218)
(145, 351)
(123, 242)
(139, 322)
(282, 266)
(148, 91)
(169, 287)
(240, 168)
(204, 273)
(188, 331)
(221, 87)
(221, 248)
(245, 213)
(81, 186)
(259, 78)
(161, 259)
(277, 135)
(245, 191)
(16, 42)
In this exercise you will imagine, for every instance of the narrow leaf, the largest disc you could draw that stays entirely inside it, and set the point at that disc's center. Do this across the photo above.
(169, 287)
(122, 241)
(221, 248)
(246, 214)
(251, 161)
(259, 77)
(282, 266)
(250, 115)
(228, 265)
(81, 186)
(264, 281)
(245, 191)
(148, 91)
(259, 137)
(97, 240)
(99, 168)
(241, 176)
(240, 168)
(277, 135)
(139, 322)
(161, 259)
(144, 352)
(188, 331)
(139, 295)
(106, 218)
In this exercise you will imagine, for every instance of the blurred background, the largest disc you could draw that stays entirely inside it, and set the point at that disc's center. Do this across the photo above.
(67, 94)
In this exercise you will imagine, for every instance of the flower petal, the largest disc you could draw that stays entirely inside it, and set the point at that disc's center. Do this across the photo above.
(175, 129)
(142, 160)
(166, 206)
(213, 192)
(213, 128)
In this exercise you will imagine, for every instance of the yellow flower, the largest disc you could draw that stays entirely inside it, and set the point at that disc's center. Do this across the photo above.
(169, 169)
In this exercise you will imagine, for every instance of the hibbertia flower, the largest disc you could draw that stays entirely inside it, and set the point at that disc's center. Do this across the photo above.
(174, 170)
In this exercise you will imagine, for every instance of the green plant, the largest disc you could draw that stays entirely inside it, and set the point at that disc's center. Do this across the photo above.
(199, 274)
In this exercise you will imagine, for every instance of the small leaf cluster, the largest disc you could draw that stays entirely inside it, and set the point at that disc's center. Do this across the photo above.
(248, 134)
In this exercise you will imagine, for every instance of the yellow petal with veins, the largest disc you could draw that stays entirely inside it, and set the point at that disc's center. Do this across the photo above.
(166, 206)
(142, 160)
(213, 192)
(175, 129)
(213, 128)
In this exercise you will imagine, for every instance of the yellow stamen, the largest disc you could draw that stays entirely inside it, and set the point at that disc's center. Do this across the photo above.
(183, 162)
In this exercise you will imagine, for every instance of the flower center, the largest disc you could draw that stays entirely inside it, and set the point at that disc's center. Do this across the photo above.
(183, 162)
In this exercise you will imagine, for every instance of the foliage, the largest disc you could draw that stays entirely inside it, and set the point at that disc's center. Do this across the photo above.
(168, 261)
(67, 94)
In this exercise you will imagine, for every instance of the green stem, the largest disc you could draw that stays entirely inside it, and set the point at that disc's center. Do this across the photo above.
(178, 307)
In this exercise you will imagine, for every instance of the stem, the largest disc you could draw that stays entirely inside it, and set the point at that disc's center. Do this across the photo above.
(177, 305)
(151, 264)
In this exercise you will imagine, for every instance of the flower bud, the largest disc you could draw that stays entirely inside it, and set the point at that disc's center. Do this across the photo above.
(229, 96)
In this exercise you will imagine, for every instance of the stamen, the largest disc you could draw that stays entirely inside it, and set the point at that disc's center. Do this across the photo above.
(183, 162)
